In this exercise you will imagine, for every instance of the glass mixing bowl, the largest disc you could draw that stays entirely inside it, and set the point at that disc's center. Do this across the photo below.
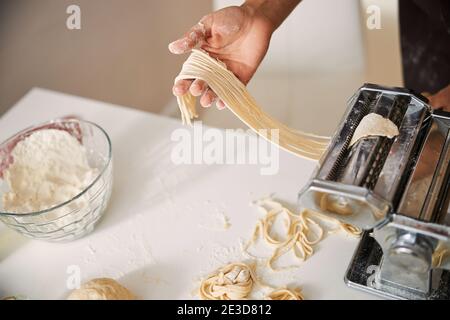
(75, 217)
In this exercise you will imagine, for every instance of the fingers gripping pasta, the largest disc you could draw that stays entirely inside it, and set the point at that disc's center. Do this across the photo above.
(234, 94)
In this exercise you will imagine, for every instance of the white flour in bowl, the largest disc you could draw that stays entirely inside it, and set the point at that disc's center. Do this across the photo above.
(50, 167)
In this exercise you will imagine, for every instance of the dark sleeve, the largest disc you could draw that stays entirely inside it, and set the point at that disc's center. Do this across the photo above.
(425, 44)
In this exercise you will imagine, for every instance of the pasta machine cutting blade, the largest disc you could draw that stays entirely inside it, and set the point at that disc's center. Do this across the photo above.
(397, 190)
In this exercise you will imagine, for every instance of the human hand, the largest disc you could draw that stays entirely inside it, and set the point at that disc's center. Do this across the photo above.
(441, 99)
(238, 36)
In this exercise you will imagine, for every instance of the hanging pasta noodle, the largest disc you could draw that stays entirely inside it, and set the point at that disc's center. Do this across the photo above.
(439, 255)
(303, 231)
(286, 294)
(234, 94)
(232, 282)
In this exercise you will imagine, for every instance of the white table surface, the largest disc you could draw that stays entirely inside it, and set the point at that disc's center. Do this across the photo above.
(157, 236)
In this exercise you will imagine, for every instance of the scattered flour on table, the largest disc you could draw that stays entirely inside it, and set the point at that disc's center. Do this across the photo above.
(49, 167)
(213, 216)
(217, 221)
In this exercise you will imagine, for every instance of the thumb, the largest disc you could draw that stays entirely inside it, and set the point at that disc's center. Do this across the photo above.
(195, 37)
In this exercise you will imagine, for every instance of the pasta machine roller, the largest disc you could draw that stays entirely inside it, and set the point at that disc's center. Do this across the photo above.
(396, 190)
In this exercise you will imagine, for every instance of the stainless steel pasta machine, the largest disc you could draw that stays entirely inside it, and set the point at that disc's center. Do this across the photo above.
(396, 190)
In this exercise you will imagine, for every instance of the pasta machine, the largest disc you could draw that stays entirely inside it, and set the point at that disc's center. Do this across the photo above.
(396, 190)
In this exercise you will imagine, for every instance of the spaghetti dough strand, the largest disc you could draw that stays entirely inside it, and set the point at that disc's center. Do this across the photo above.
(229, 89)
(303, 231)
(286, 294)
(232, 282)
(440, 253)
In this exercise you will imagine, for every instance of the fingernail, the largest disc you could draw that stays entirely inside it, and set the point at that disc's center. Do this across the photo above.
(220, 105)
(177, 91)
(196, 90)
(175, 48)
(170, 46)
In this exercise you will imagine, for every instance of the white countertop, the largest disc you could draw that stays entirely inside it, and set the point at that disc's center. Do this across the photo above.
(156, 236)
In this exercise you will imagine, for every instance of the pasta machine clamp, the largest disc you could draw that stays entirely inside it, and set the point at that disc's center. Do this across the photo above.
(396, 190)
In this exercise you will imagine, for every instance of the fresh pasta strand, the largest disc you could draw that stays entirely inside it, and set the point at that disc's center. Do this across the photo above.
(440, 253)
(234, 94)
(285, 294)
(232, 282)
(340, 225)
(235, 281)
(303, 231)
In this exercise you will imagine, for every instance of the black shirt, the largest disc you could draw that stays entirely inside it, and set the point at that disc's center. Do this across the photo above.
(425, 44)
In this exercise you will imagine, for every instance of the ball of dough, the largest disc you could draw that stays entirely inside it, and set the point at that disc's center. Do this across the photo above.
(101, 289)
